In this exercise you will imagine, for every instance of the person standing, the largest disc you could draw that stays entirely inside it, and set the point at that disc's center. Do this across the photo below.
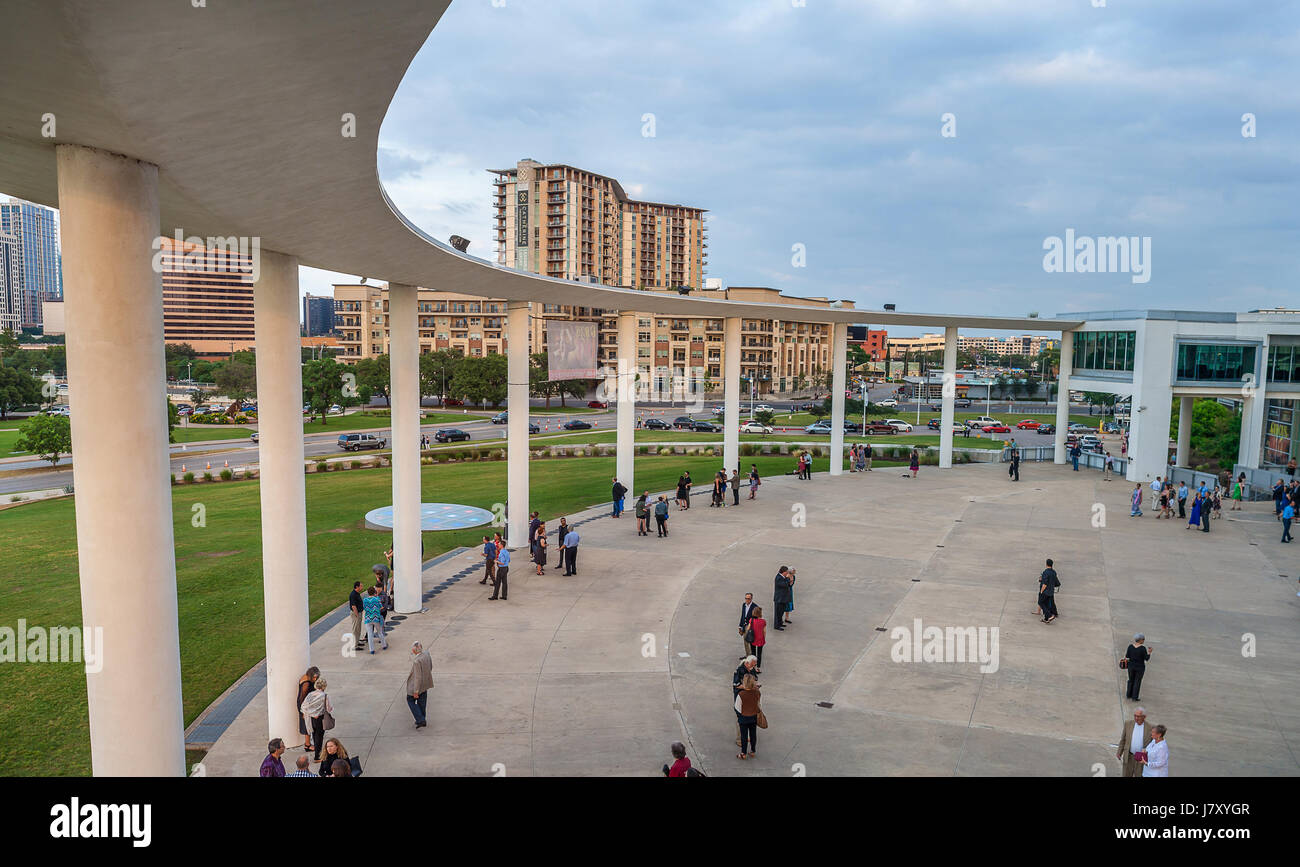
(746, 612)
(1047, 584)
(1136, 500)
(1279, 492)
(684, 491)
(334, 751)
(758, 628)
(306, 684)
(374, 620)
(1107, 467)
(1075, 451)
(789, 605)
(539, 550)
(560, 533)
(681, 764)
(853, 458)
(1238, 493)
(745, 669)
(1207, 505)
(354, 606)
(754, 481)
(735, 487)
(1288, 513)
(489, 560)
(1136, 655)
(533, 523)
(271, 765)
(419, 680)
(915, 464)
(314, 707)
(500, 584)
(661, 515)
(571, 552)
(1157, 760)
(748, 697)
(781, 595)
(1014, 469)
(1133, 739)
(619, 491)
(642, 514)
(1197, 505)
(1182, 500)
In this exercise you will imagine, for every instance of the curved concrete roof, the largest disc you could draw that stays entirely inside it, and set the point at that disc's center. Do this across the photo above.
(240, 103)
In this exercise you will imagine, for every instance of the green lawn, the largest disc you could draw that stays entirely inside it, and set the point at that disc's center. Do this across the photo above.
(802, 419)
(43, 707)
(7, 438)
(656, 436)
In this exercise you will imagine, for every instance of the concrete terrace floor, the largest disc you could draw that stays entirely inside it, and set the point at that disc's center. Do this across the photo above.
(596, 674)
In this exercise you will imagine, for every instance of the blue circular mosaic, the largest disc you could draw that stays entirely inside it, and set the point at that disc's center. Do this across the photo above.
(433, 516)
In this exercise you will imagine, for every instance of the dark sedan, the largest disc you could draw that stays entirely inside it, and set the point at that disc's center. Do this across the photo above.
(450, 435)
(935, 423)
(576, 424)
(533, 428)
(706, 427)
(1046, 428)
(657, 424)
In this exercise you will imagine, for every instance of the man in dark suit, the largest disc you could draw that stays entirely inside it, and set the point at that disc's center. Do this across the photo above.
(533, 524)
(746, 611)
(781, 595)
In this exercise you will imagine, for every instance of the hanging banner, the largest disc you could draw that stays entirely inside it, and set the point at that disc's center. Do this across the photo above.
(571, 349)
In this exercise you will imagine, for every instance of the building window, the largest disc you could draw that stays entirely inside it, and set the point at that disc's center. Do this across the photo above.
(1104, 350)
(1214, 362)
(1283, 364)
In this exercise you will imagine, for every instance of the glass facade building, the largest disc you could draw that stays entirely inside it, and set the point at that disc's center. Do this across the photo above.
(1283, 364)
(40, 265)
(1214, 362)
(1104, 350)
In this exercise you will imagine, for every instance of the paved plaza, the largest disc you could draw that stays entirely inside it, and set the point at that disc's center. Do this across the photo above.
(597, 674)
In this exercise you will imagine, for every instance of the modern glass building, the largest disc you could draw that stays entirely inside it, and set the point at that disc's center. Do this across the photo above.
(10, 286)
(40, 264)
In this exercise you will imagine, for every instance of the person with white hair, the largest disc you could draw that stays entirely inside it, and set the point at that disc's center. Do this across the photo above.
(1133, 740)
(418, 683)
(1135, 662)
(746, 667)
(1157, 757)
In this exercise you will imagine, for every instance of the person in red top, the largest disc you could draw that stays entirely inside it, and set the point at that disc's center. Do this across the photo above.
(759, 625)
(681, 764)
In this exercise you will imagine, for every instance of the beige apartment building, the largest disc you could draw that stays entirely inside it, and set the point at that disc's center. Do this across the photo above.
(207, 297)
(777, 356)
(1024, 344)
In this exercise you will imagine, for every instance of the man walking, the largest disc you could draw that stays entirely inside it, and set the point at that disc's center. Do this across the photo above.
(571, 553)
(1182, 499)
(1047, 584)
(355, 606)
(781, 596)
(661, 515)
(1288, 513)
(619, 492)
(499, 583)
(1107, 467)
(746, 612)
(1133, 739)
(489, 560)
(418, 683)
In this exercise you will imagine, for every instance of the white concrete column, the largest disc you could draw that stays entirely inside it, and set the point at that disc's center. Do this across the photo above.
(517, 359)
(1184, 430)
(1254, 409)
(839, 358)
(1063, 397)
(949, 394)
(731, 393)
(404, 374)
(125, 553)
(281, 487)
(625, 462)
(1152, 410)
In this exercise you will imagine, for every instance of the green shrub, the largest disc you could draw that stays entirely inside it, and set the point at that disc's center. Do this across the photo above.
(497, 454)
(442, 458)
(643, 450)
(665, 450)
(709, 452)
(189, 478)
(227, 475)
(322, 467)
(356, 465)
(207, 477)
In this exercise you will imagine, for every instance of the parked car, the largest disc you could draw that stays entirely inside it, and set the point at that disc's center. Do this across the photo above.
(451, 401)
(935, 424)
(356, 442)
(657, 424)
(755, 427)
(818, 427)
(576, 424)
(1111, 427)
(1027, 424)
(762, 407)
(1079, 428)
(533, 428)
(253, 436)
(336, 409)
(597, 404)
(450, 435)
(879, 427)
(1046, 428)
(889, 401)
(1090, 442)
(184, 410)
(706, 427)
(683, 422)
(501, 417)
(995, 428)
(961, 402)
(899, 425)
(981, 421)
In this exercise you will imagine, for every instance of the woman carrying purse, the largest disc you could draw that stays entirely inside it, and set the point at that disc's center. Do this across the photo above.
(317, 709)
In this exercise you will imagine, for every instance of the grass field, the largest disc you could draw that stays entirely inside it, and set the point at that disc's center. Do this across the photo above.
(802, 419)
(218, 575)
(655, 436)
(7, 438)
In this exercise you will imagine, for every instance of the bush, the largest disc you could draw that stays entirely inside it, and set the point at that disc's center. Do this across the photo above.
(464, 455)
(476, 454)
(442, 458)
(227, 475)
(207, 477)
(425, 461)
(322, 467)
(496, 454)
(356, 465)
(665, 451)
(643, 450)
(189, 478)
(709, 452)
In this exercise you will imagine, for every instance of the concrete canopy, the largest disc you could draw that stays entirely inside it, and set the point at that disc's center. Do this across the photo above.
(241, 105)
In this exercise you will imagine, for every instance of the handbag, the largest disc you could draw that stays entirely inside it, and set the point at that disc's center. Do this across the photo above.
(1123, 662)
(327, 721)
(749, 635)
(762, 719)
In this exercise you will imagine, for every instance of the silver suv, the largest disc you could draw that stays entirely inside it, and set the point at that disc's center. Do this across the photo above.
(356, 442)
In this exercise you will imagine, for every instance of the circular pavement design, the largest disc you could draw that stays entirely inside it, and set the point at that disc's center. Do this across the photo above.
(433, 516)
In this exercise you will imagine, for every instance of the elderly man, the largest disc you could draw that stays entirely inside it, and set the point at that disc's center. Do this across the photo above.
(304, 768)
(1133, 739)
(418, 683)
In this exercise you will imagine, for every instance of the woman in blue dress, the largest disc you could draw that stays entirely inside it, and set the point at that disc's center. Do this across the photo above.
(1197, 505)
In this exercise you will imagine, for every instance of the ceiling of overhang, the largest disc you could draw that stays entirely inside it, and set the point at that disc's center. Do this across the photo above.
(241, 104)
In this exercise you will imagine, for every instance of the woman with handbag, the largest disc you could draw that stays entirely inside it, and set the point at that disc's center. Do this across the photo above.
(756, 636)
(316, 708)
(306, 684)
(747, 707)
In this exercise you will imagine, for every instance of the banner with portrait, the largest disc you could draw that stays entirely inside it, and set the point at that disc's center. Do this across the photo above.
(571, 349)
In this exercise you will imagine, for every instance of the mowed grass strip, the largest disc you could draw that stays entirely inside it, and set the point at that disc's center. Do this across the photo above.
(219, 579)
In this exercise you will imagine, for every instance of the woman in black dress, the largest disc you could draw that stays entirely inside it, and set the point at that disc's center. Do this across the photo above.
(539, 550)
(684, 491)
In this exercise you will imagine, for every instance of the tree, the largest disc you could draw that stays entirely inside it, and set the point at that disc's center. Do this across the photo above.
(9, 347)
(481, 379)
(322, 385)
(49, 436)
(237, 378)
(1102, 399)
(173, 419)
(373, 376)
(17, 388)
(819, 411)
(764, 416)
(538, 383)
(436, 373)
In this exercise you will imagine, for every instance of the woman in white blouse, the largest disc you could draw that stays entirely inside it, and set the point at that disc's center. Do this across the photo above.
(1157, 763)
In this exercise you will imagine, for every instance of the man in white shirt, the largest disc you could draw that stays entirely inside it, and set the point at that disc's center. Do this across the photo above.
(1157, 763)
(1134, 738)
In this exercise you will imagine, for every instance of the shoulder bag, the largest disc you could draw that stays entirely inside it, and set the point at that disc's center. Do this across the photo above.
(762, 719)
(327, 719)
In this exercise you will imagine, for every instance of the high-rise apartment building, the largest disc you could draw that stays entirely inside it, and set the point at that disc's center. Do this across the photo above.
(317, 315)
(467, 324)
(570, 223)
(10, 283)
(35, 230)
(1025, 344)
(207, 297)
